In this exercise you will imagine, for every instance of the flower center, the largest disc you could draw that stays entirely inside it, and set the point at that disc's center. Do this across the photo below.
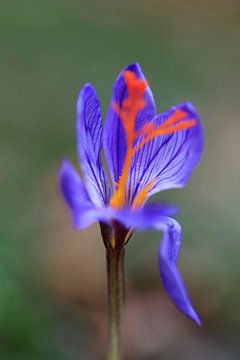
(127, 113)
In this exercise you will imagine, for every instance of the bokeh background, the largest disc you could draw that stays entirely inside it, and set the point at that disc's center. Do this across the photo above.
(52, 278)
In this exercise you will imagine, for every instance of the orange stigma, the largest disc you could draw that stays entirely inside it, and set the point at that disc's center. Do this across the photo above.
(127, 112)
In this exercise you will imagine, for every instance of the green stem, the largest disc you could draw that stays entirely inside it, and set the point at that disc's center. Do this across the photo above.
(115, 274)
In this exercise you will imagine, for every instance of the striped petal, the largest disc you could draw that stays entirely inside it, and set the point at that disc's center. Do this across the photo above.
(89, 145)
(168, 160)
(114, 135)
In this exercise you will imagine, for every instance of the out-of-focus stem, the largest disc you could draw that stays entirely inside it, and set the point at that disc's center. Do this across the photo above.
(115, 275)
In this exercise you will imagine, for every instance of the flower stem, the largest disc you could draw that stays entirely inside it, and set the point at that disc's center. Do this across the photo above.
(115, 275)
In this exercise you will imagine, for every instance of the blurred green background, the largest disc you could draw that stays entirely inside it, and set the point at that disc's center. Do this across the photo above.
(52, 279)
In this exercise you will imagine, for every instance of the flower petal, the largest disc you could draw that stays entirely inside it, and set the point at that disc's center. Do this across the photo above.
(89, 144)
(114, 141)
(76, 196)
(168, 252)
(167, 160)
(171, 278)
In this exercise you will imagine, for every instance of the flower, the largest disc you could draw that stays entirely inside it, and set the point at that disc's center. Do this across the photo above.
(145, 154)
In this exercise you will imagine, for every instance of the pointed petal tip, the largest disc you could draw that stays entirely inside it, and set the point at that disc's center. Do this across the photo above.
(88, 86)
(65, 164)
(194, 316)
(189, 107)
(65, 170)
(135, 67)
(185, 105)
(65, 167)
(87, 89)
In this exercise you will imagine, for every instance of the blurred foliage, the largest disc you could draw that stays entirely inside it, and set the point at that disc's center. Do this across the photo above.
(51, 293)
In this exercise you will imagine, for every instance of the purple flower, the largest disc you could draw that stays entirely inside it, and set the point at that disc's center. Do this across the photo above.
(145, 154)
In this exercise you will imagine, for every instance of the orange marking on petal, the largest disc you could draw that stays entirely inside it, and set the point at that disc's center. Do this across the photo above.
(163, 130)
(145, 130)
(131, 105)
(176, 116)
(183, 125)
(116, 108)
(127, 113)
(118, 198)
(141, 196)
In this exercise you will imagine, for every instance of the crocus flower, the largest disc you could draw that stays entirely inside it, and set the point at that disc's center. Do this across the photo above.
(145, 154)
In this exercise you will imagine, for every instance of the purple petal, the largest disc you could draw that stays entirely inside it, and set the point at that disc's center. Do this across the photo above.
(76, 196)
(89, 144)
(148, 218)
(114, 137)
(169, 159)
(171, 278)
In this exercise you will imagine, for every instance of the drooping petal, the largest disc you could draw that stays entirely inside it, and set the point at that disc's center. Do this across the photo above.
(89, 144)
(76, 196)
(148, 218)
(114, 136)
(167, 160)
(171, 278)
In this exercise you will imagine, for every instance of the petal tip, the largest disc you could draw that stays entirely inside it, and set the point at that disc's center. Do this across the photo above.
(135, 67)
(88, 86)
(194, 316)
(65, 164)
(189, 105)
(191, 109)
(86, 91)
(63, 175)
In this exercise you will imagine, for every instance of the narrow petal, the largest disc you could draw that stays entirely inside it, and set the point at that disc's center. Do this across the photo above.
(114, 137)
(167, 160)
(171, 278)
(76, 196)
(148, 218)
(89, 144)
